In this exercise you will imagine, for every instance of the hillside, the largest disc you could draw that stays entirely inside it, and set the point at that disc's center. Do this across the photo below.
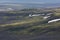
(17, 25)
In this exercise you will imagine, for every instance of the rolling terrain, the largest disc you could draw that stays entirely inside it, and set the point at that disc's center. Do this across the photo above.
(17, 25)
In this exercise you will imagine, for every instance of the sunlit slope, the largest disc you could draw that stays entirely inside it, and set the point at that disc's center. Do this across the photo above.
(32, 28)
(34, 25)
(26, 21)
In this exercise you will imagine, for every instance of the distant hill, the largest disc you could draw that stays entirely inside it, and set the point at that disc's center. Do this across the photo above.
(18, 6)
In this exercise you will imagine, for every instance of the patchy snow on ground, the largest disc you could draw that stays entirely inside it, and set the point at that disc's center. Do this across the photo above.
(55, 20)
